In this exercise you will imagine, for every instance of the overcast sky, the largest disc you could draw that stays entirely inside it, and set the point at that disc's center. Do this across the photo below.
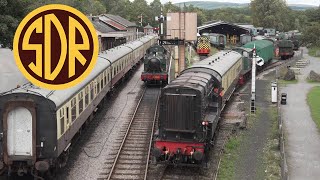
(309, 2)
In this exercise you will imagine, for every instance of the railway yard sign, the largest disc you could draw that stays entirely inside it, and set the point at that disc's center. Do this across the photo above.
(55, 46)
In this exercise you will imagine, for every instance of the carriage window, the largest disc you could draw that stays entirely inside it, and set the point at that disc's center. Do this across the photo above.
(61, 112)
(105, 77)
(101, 83)
(67, 111)
(80, 97)
(86, 98)
(98, 85)
(73, 109)
(108, 77)
(61, 125)
(91, 91)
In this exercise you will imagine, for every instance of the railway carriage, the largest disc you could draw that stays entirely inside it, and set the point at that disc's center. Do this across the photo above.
(190, 107)
(37, 126)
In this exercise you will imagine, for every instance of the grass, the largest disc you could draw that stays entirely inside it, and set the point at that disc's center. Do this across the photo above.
(313, 99)
(227, 165)
(193, 54)
(313, 50)
(213, 50)
(231, 152)
(312, 81)
(271, 156)
(284, 82)
(271, 153)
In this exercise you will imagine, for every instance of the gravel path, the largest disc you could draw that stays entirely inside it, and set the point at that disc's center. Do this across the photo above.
(302, 135)
(89, 153)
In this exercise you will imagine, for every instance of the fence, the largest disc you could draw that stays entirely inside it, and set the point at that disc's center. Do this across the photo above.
(284, 166)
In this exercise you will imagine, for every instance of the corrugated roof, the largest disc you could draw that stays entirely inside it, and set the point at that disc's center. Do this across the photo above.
(112, 23)
(120, 20)
(100, 26)
(219, 23)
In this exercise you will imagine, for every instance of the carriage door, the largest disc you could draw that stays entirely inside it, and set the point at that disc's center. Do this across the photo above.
(19, 135)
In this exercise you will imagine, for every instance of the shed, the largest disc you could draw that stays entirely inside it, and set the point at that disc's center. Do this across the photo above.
(232, 31)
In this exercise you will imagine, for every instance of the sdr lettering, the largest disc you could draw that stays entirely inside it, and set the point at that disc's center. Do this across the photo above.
(66, 45)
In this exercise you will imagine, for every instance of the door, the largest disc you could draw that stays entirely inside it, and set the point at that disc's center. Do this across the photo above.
(19, 134)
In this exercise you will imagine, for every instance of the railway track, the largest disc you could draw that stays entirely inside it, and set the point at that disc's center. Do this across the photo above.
(131, 160)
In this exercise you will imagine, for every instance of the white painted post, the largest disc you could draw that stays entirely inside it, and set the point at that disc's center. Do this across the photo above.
(274, 92)
(253, 81)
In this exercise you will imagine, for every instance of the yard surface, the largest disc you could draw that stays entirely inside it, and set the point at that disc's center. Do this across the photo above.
(254, 153)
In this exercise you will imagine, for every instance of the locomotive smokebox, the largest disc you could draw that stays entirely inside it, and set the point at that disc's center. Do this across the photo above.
(154, 65)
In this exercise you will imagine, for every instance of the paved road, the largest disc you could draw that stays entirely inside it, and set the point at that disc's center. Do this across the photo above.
(302, 135)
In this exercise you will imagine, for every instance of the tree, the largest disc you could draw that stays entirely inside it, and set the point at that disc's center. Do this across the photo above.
(311, 30)
(155, 8)
(310, 35)
(140, 7)
(11, 13)
(271, 14)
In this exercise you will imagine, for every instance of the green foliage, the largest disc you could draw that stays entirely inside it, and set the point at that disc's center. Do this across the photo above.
(311, 30)
(284, 82)
(313, 99)
(230, 156)
(312, 51)
(13, 11)
(272, 14)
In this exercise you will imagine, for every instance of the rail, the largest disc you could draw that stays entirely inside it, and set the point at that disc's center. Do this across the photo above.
(140, 128)
(151, 135)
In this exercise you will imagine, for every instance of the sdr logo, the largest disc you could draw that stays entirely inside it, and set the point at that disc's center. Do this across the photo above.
(55, 46)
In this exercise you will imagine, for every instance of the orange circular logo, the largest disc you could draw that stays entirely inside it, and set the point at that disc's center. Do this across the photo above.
(55, 46)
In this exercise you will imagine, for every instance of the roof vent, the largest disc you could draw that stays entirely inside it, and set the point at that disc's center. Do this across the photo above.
(209, 63)
(212, 61)
(218, 57)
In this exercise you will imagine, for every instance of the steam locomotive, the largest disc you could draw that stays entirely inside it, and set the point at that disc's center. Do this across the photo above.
(156, 64)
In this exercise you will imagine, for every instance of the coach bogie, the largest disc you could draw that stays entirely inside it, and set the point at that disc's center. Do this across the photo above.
(57, 116)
